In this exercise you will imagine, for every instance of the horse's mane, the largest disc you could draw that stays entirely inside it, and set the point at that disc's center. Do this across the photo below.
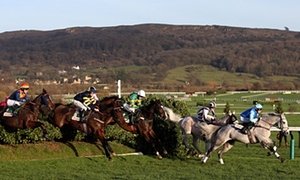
(270, 114)
(109, 97)
(273, 114)
(171, 115)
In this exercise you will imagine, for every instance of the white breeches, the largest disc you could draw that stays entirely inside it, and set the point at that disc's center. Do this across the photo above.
(80, 105)
(13, 102)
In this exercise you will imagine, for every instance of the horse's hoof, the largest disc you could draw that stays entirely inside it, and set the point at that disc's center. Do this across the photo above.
(221, 161)
(113, 154)
(159, 157)
(204, 159)
(282, 160)
(201, 155)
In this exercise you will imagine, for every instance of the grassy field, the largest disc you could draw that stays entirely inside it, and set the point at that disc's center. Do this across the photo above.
(209, 74)
(241, 101)
(240, 163)
(79, 160)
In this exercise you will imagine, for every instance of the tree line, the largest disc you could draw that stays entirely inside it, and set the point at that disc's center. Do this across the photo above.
(159, 48)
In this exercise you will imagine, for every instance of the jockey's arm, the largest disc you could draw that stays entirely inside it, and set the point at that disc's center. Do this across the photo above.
(253, 117)
(207, 116)
(95, 97)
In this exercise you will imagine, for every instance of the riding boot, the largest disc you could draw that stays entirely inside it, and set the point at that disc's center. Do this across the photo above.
(244, 130)
(138, 115)
(15, 108)
(247, 127)
(83, 116)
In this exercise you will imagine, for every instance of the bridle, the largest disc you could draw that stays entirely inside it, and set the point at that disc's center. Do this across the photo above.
(280, 124)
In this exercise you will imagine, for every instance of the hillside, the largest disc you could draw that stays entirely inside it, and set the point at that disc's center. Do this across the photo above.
(152, 50)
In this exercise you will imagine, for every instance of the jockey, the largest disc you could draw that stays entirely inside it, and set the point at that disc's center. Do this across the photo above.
(134, 102)
(85, 101)
(18, 97)
(207, 114)
(250, 116)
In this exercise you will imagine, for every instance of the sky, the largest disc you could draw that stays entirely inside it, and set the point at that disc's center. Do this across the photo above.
(45, 15)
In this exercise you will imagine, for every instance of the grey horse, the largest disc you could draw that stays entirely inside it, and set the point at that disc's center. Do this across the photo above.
(260, 133)
(199, 130)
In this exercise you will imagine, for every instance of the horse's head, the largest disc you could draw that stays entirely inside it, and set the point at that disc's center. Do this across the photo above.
(107, 102)
(44, 99)
(111, 106)
(277, 119)
(229, 118)
(158, 109)
(232, 118)
(283, 124)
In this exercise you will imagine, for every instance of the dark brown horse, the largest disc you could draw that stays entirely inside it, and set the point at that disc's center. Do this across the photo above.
(109, 111)
(28, 113)
(143, 126)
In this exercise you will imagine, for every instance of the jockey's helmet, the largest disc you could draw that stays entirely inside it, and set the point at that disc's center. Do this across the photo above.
(212, 104)
(258, 106)
(92, 89)
(141, 93)
(24, 85)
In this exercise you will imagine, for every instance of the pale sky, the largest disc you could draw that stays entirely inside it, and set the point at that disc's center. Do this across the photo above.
(59, 14)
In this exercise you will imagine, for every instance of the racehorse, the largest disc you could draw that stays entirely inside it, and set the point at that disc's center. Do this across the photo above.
(198, 129)
(27, 116)
(144, 125)
(109, 112)
(260, 133)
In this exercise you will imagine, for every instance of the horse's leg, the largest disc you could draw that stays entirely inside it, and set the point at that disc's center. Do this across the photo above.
(150, 140)
(215, 144)
(157, 142)
(285, 140)
(226, 147)
(268, 144)
(185, 138)
(196, 145)
(279, 137)
(34, 124)
(107, 149)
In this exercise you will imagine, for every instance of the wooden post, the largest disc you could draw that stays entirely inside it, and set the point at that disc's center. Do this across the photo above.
(119, 88)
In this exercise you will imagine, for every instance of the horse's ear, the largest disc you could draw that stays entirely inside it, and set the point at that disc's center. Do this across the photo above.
(233, 112)
(229, 113)
(44, 91)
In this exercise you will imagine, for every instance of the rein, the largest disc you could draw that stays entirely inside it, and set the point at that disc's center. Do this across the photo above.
(281, 127)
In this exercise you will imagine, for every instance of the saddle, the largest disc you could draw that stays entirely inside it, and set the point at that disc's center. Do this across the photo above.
(81, 116)
(11, 111)
(242, 129)
(133, 117)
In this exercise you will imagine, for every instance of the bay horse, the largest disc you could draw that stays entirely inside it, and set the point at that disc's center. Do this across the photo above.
(199, 130)
(260, 133)
(144, 125)
(110, 109)
(27, 116)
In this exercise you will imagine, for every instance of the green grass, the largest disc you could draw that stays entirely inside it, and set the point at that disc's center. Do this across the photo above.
(53, 150)
(240, 163)
(59, 161)
(209, 74)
